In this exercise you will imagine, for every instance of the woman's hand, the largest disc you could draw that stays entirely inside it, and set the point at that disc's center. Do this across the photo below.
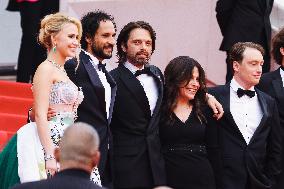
(50, 167)
(215, 106)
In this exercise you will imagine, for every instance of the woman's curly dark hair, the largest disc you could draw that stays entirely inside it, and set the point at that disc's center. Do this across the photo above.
(179, 71)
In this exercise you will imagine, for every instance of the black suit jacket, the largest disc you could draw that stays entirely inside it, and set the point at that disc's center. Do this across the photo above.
(244, 20)
(92, 110)
(13, 5)
(66, 179)
(137, 150)
(271, 83)
(237, 163)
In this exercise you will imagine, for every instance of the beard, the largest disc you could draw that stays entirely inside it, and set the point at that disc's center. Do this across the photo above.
(99, 52)
(139, 61)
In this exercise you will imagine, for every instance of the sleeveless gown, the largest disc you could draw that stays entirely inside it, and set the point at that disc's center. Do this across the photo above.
(22, 160)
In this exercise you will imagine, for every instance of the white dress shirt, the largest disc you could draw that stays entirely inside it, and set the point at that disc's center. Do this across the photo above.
(149, 85)
(102, 76)
(246, 111)
(282, 76)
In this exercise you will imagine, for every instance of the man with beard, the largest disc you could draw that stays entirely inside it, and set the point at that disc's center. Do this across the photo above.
(137, 160)
(99, 88)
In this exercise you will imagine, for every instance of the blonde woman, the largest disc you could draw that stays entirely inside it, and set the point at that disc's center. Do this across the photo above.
(35, 142)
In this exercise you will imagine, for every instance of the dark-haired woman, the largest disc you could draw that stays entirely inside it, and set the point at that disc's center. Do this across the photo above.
(182, 128)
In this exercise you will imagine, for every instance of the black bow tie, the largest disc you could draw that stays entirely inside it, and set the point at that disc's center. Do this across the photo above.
(102, 67)
(145, 70)
(241, 92)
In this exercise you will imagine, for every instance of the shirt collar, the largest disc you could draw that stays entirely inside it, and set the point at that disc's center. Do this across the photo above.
(235, 85)
(94, 60)
(131, 67)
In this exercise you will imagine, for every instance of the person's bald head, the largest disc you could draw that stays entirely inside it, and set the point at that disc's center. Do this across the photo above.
(78, 146)
(162, 187)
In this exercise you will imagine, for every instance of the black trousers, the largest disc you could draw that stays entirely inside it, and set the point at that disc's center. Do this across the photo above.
(31, 53)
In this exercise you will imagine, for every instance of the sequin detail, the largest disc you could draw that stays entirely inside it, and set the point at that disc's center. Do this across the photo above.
(66, 93)
(58, 124)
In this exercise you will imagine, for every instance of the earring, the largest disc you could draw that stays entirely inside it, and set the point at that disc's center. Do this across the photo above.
(54, 48)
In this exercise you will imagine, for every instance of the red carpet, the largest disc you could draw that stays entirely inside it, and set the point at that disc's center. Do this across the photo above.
(15, 101)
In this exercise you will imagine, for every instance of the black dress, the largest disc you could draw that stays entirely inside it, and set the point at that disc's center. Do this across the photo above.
(187, 165)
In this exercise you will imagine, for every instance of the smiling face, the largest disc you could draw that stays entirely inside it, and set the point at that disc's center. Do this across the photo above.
(139, 47)
(248, 72)
(101, 44)
(188, 89)
(67, 40)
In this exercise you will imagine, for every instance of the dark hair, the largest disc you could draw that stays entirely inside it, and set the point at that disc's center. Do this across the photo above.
(91, 22)
(277, 43)
(237, 51)
(124, 36)
(178, 71)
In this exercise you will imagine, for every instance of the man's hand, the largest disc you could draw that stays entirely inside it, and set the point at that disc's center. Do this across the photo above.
(215, 106)
(50, 114)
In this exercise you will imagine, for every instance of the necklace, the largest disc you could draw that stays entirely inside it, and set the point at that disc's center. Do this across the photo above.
(59, 67)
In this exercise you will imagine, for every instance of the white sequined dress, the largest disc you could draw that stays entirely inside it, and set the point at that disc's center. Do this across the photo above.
(65, 97)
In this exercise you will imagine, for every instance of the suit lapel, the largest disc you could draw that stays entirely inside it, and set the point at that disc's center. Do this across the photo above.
(267, 4)
(158, 79)
(160, 84)
(277, 84)
(95, 80)
(135, 87)
(264, 108)
(113, 86)
(225, 101)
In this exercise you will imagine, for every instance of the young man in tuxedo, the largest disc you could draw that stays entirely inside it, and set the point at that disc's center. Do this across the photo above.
(99, 88)
(245, 144)
(272, 84)
(77, 155)
(138, 162)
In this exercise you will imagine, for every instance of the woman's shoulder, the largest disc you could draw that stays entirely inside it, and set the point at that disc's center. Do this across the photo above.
(45, 71)
(45, 66)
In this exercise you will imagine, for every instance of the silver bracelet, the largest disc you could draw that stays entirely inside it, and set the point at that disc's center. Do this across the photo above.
(49, 157)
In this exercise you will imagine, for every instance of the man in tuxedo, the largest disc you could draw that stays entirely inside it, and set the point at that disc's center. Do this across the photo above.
(138, 161)
(272, 84)
(245, 144)
(137, 154)
(242, 20)
(99, 88)
(78, 154)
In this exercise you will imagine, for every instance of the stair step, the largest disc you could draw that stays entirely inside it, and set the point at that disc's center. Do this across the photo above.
(14, 105)
(4, 138)
(12, 122)
(15, 89)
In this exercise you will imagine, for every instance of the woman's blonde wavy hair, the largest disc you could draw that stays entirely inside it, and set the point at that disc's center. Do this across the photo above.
(52, 24)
